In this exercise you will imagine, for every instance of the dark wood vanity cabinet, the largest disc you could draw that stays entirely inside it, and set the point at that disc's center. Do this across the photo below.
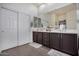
(69, 43)
(55, 41)
(64, 42)
(39, 39)
(46, 39)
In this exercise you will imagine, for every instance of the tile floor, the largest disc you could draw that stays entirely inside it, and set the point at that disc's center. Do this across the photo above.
(30, 50)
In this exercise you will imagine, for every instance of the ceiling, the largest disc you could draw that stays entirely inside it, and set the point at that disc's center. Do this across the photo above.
(38, 4)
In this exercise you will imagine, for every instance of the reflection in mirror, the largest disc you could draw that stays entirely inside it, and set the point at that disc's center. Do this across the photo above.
(37, 22)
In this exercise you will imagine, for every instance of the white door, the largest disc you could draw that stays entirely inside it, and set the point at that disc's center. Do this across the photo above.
(24, 29)
(8, 28)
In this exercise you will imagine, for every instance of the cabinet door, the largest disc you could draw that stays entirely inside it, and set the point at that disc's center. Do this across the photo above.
(46, 39)
(69, 43)
(78, 43)
(35, 37)
(39, 37)
(55, 40)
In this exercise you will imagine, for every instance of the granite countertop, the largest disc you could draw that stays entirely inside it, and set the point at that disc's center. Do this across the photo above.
(56, 31)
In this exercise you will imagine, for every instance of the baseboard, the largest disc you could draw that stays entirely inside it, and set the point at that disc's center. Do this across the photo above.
(14, 47)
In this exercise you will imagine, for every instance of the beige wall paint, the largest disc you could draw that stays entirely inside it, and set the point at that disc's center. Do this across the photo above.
(53, 20)
(71, 20)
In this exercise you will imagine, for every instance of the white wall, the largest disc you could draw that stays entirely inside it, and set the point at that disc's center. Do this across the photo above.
(26, 13)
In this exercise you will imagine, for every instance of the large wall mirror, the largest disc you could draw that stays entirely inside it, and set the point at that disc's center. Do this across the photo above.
(37, 22)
